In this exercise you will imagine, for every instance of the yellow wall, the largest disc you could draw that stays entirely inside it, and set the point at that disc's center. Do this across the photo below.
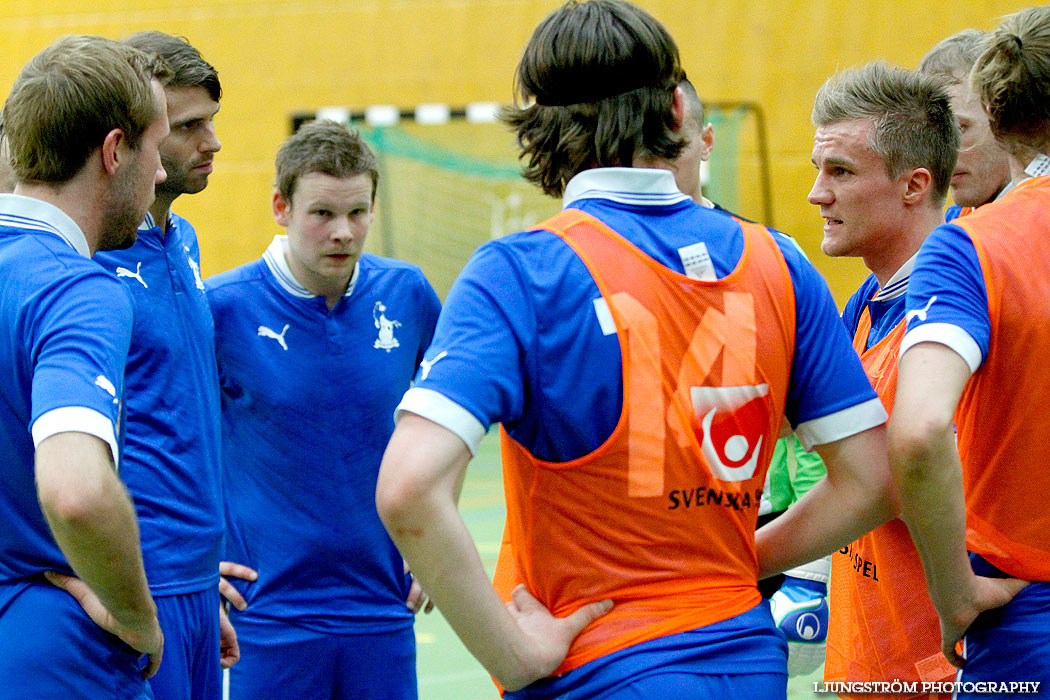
(277, 57)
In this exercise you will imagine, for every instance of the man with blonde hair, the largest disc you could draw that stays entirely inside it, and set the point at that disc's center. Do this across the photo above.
(884, 149)
(967, 436)
(83, 122)
(982, 170)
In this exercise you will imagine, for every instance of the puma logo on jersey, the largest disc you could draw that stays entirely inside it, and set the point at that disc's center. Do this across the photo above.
(279, 337)
(125, 272)
(425, 365)
(920, 313)
(106, 386)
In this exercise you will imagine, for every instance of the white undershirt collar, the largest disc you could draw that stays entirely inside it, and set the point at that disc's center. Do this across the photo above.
(636, 186)
(898, 283)
(19, 211)
(275, 259)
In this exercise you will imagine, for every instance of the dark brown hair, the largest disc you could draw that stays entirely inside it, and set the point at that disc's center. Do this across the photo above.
(188, 67)
(602, 75)
(323, 147)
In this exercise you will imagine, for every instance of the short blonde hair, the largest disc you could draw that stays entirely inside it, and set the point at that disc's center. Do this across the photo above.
(69, 97)
(954, 56)
(910, 112)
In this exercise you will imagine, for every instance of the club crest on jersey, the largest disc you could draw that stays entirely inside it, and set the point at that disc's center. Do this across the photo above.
(196, 269)
(386, 340)
(733, 422)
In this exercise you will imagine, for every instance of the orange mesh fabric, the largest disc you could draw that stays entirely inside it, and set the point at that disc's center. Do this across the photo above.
(661, 517)
(882, 625)
(1002, 420)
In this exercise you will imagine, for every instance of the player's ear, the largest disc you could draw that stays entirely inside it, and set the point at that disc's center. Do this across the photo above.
(678, 107)
(707, 136)
(113, 151)
(918, 185)
(281, 208)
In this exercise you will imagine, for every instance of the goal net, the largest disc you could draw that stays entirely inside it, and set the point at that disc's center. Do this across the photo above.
(450, 182)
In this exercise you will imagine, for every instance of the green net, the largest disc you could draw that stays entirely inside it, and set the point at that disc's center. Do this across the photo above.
(446, 189)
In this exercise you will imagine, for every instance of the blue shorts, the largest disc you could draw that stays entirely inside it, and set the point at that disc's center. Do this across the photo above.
(1011, 643)
(50, 648)
(190, 667)
(292, 662)
(742, 657)
(678, 686)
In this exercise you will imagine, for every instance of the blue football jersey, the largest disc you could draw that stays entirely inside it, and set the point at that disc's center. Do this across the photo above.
(885, 305)
(947, 301)
(308, 398)
(523, 340)
(65, 325)
(172, 450)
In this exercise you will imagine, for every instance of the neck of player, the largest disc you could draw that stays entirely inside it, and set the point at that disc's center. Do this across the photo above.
(160, 209)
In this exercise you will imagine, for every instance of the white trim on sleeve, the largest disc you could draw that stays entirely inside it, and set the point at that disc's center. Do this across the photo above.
(841, 424)
(955, 337)
(445, 412)
(76, 419)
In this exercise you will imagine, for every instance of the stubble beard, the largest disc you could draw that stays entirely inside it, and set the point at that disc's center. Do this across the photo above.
(121, 215)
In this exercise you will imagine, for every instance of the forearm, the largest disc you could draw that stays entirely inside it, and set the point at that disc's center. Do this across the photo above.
(926, 467)
(441, 554)
(418, 508)
(94, 523)
(929, 474)
(855, 497)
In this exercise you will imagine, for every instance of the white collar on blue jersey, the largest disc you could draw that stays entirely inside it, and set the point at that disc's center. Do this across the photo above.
(639, 186)
(149, 222)
(34, 214)
(898, 284)
(275, 259)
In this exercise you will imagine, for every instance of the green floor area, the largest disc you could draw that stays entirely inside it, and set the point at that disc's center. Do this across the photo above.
(447, 671)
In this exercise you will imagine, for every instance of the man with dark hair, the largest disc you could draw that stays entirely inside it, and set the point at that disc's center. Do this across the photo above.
(700, 143)
(641, 353)
(172, 449)
(84, 121)
(316, 344)
(982, 171)
(884, 150)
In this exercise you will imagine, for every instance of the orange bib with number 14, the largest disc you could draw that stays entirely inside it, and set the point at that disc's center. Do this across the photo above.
(661, 517)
